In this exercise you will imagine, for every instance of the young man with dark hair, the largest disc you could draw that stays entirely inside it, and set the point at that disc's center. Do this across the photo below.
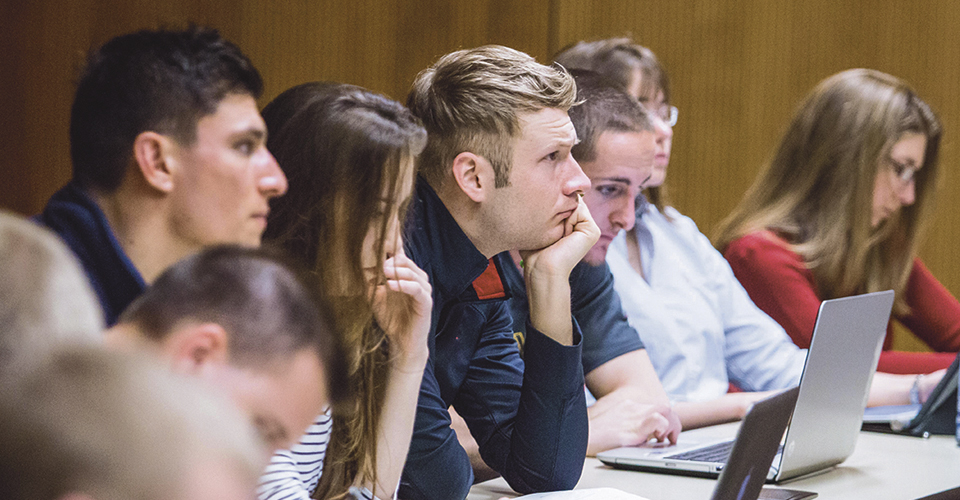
(496, 175)
(248, 321)
(168, 156)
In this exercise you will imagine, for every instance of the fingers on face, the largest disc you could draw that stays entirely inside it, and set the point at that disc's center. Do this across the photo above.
(401, 263)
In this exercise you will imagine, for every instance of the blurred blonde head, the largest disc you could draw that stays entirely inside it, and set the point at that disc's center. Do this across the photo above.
(101, 425)
(45, 298)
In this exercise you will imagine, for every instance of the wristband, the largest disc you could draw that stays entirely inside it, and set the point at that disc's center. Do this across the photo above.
(915, 390)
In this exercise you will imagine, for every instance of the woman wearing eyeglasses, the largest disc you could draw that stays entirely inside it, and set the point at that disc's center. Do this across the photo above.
(839, 210)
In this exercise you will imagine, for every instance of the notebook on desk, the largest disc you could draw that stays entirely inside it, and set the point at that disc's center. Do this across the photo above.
(834, 386)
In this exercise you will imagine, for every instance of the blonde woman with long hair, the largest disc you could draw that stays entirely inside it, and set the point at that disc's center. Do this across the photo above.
(839, 211)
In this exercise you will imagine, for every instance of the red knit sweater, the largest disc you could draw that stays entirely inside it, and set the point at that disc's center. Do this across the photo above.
(779, 282)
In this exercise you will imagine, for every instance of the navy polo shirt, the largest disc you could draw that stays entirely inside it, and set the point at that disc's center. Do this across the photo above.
(596, 306)
(528, 415)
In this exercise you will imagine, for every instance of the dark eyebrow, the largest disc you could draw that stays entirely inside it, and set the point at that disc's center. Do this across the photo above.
(621, 180)
(257, 133)
(908, 162)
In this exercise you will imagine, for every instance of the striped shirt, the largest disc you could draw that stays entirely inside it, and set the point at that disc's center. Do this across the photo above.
(294, 474)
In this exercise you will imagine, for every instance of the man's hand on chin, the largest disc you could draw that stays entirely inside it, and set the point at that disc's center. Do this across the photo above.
(580, 233)
(547, 274)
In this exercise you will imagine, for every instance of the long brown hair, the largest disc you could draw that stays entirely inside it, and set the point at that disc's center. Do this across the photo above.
(346, 152)
(817, 191)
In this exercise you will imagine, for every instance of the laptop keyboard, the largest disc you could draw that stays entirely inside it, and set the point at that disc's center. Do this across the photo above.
(714, 453)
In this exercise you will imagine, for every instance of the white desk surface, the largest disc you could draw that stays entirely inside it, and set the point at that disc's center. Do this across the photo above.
(883, 466)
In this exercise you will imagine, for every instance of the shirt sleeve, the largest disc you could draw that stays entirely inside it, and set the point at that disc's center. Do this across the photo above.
(293, 474)
(758, 354)
(934, 313)
(777, 281)
(528, 416)
(437, 467)
(607, 334)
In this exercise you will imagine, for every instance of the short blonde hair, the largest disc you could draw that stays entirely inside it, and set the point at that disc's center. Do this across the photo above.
(470, 100)
(45, 298)
(115, 426)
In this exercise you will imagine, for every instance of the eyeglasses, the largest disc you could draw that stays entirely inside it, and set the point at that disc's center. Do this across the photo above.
(668, 114)
(905, 173)
(665, 112)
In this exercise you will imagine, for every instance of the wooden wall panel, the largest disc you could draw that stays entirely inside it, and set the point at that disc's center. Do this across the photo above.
(378, 44)
(738, 69)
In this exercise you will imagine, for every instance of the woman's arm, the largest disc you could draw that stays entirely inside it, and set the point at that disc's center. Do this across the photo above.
(402, 307)
(727, 408)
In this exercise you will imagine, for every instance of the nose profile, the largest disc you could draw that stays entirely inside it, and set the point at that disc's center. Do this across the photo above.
(393, 239)
(578, 181)
(624, 215)
(273, 182)
(908, 195)
(663, 130)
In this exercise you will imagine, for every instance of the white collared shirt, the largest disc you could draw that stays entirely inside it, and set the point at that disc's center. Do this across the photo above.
(699, 326)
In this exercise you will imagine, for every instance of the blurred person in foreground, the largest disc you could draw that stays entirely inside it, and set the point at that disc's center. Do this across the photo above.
(90, 424)
(249, 323)
(45, 299)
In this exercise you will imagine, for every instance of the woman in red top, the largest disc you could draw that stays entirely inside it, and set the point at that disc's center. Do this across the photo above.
(838, 212)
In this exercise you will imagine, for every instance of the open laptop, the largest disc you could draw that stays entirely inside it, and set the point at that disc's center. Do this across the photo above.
(833, 391)
(756, 445)
(757, 442)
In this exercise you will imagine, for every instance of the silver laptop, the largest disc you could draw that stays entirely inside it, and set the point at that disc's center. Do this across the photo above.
(834, 387)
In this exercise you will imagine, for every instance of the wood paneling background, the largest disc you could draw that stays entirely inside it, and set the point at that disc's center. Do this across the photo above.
(737, 68)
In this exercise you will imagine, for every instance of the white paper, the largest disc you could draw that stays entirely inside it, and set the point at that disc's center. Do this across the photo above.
(586, 494)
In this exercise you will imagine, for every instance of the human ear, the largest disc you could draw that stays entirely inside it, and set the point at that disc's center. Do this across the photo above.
(198, 347)
(151, 153)
(474, 175)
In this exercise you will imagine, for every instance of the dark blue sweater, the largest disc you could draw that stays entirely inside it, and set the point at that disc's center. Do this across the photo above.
(78, 220)
(596, 307)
